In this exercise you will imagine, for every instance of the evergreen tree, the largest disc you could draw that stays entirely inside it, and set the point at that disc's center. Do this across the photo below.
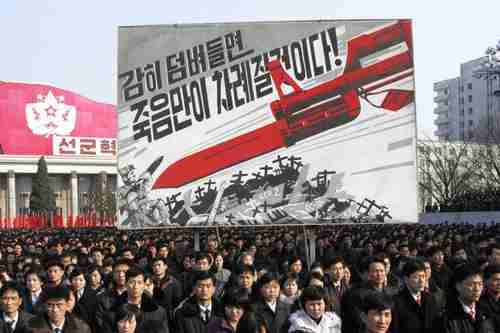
(43, 198)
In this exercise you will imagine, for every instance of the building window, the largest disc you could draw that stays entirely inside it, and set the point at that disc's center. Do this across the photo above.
(471, 123)
(446, 91)
(470, 98)
(461, 101)
(469, 86)
(461, 112)
(462, 88)
(471, 111)
(461, 124)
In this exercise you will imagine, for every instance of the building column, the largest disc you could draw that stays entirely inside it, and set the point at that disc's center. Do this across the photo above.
(11, 190)
(74, 194)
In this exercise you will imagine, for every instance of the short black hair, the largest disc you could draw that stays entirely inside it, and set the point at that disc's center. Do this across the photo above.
(491, 270)
(313, 294)
(203, 275)
(244, 269)
(155, 259)
(464, 271)
(76, 272)
(330, 261)
(126, 312)
(55, 293)
(11, 286)
(237, 298)
(135, 271)
(291, 277)
(267, 278)
(433, 250)
(377, 301)
(412, 266)
(53, 263)
(123, 261)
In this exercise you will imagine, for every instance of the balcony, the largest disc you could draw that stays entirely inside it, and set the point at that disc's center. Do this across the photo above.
(441, 97)
(441, 109)
(441, 119)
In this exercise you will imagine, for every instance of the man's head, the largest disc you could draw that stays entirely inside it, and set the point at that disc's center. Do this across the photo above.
(163, 250)
(314, 301)
(468, 282)
(246, 276)
(203, 262)
(159, 266)
(97, 256)
(414, 276)
(492, 279)
(335, 267)
(204, 286)
(494, 254)
(120, 269)
(55, 272)
(376, 274)
(11, 298)
(269, 287)
(128, 253)
(378, 309)
(57, 303)
(136, 283)
(436, 255)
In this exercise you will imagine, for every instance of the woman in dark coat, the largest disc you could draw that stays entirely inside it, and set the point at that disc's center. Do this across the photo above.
(235, 305)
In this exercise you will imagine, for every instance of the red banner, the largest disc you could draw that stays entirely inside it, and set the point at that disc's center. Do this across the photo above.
(32, 114)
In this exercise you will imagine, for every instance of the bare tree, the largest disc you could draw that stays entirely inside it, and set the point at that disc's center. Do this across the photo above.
(487, 151)
(445, 171)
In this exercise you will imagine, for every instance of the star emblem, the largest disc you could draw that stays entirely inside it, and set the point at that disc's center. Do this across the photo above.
(49, 115)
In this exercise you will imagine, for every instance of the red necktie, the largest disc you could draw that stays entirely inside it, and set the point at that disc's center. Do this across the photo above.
(472, 313)
(419, 299)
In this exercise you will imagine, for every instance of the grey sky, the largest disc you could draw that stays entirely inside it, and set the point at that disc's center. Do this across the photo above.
(72, 45)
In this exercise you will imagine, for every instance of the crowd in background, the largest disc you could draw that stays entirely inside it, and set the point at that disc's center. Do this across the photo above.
(369, 278)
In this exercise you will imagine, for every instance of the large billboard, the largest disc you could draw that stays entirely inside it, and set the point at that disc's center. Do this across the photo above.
(37, 119)
(266, 123)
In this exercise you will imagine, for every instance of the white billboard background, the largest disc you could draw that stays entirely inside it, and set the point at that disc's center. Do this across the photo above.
(373, 156)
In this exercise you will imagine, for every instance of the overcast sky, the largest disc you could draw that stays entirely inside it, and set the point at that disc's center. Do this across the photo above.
(72, 44)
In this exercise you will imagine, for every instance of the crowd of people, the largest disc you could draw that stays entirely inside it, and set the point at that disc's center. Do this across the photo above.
(370, 278)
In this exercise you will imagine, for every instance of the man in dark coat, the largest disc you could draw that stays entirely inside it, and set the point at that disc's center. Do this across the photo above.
(11, 299)
(440, 271)
(135, 297)
(193, 315)
(269, 309)
(489, 303)
(334, 281)
(352, 302)
(462, 315)
(167, 290)
(109, 298)
(56, 317)
(414, 311)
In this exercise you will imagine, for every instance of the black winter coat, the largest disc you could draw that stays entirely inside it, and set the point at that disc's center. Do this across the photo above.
(409, 317)
(490, 307)
(188, 318)
(274, 321)
(455, 320)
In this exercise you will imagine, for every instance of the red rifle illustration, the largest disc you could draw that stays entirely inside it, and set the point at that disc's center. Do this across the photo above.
(304, 113)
